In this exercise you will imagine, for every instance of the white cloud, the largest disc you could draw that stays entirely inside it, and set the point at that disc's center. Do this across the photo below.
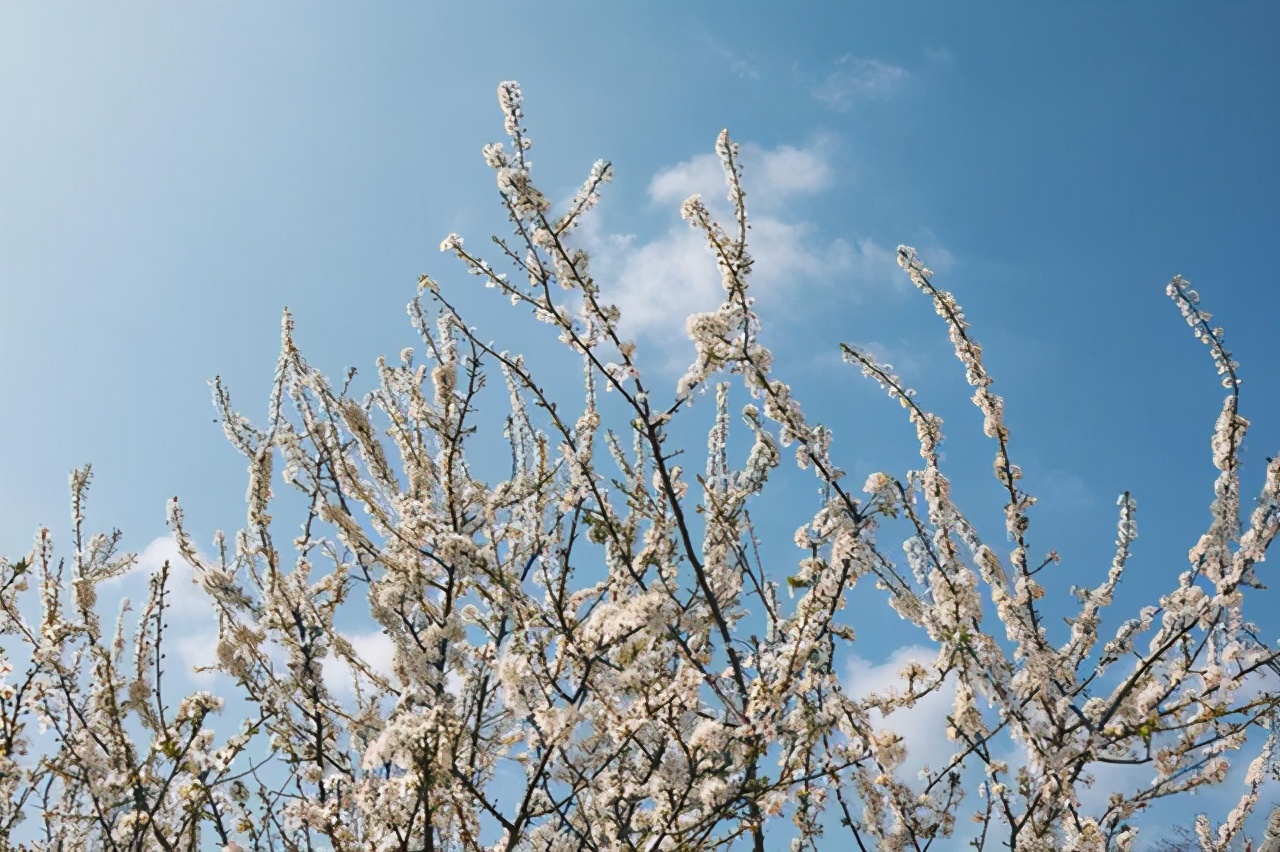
(774, 175)
(923, 726)
(909, 365)
(193, 625)
(699, 174)
(923, 730)
(659, 282)
(854, 78)
(374, 647)
(787, 171)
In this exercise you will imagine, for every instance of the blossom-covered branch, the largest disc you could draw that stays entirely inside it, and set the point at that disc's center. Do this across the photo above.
(591, 652)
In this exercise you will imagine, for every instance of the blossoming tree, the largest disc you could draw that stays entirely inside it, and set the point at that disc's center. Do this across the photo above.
(591, 653)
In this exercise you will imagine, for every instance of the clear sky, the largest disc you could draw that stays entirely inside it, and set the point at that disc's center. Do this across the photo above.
(173, 175)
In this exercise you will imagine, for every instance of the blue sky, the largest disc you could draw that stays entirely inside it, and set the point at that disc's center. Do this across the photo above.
(171, 176)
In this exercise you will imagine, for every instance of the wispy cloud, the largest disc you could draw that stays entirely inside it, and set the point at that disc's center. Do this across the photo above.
(939, 55)
(1060, 490)
(932, 253)
(907, 362)
(744, 67)
(855, 78)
